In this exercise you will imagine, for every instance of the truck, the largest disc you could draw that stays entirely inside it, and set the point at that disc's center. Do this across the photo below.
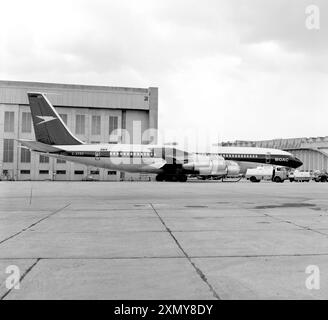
(276, 174)
(320, 176)
(300, 176)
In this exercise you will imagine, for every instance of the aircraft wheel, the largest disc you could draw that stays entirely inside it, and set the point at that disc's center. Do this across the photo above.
(174, 178)
(159, 177)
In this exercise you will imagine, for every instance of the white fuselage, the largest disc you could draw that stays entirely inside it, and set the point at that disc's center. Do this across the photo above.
(151, 159)
(121, 157)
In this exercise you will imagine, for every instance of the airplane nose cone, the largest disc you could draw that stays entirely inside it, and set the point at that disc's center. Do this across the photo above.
(294, 162)
(300, 163)
(297, 163)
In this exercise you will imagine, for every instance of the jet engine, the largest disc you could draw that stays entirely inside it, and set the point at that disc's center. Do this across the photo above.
(233, 168)
(207, 166)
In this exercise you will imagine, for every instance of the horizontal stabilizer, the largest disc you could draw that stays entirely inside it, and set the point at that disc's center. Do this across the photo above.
(38, 146)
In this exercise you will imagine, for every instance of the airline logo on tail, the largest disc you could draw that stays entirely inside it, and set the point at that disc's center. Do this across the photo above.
(45, 119)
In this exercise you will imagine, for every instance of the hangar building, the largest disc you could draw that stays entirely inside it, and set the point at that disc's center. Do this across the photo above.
(312, 151)
(92, 113)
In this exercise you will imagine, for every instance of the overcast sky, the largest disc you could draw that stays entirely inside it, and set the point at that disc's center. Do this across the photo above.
(237, 69)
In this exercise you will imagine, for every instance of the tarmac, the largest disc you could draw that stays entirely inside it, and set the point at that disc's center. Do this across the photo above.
(164, 240)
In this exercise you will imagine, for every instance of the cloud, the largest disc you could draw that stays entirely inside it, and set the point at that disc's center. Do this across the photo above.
(284, 22)
(225, 65)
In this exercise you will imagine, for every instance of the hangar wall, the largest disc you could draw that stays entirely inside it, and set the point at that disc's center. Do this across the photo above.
(312, 151)
(91, 113)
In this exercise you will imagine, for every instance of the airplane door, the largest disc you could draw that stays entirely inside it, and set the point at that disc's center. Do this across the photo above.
(97, 155)
(268, 158)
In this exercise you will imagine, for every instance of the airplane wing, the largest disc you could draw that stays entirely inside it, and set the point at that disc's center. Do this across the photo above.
(157, 164)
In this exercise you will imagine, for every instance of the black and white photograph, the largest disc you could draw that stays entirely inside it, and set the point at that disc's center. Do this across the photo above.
(166, 152)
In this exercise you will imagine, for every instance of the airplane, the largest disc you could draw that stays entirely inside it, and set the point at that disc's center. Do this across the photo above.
(54, 139)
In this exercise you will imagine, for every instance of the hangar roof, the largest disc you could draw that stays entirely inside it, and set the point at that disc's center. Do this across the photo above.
(289, 144)
(15, 92)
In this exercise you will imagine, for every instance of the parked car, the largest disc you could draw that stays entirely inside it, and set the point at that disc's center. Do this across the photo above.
(299, 176)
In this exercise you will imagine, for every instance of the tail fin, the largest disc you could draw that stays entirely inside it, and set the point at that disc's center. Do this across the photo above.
(48, 126)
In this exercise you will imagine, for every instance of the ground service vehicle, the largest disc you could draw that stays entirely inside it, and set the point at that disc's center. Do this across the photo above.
(276, 174)
(300, 176)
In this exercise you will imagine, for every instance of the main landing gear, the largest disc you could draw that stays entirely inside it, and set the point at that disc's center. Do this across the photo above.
(171, 177)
